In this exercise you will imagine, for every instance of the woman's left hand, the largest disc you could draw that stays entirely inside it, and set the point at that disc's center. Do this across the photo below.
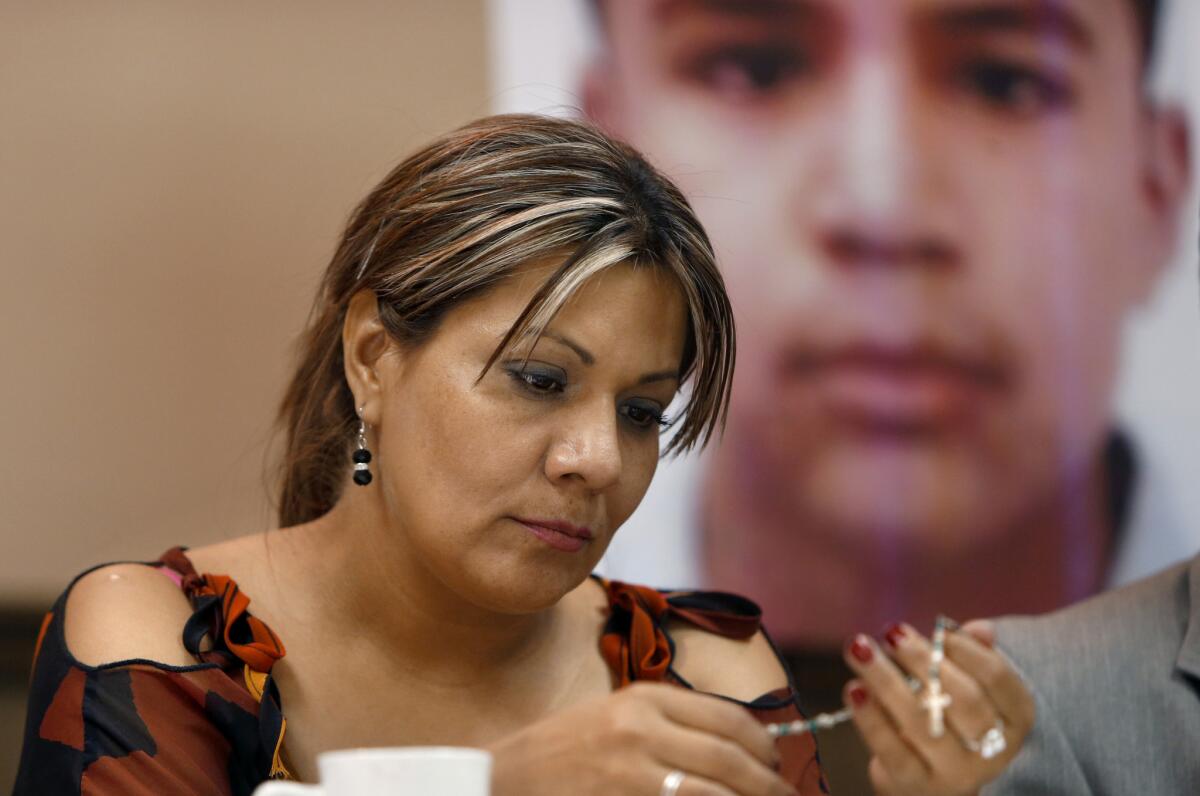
(985, 694)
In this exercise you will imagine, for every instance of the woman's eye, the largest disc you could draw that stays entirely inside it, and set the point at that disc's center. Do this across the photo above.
(538, 382)
(644, 416)
(1016, 89)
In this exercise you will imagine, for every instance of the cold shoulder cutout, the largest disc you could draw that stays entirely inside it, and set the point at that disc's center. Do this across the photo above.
(139, 726)
(125, 612)
(637, 645)
(739, 669)
(216, 725)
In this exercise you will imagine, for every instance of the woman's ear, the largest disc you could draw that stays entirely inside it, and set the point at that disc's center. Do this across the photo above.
(364, 342)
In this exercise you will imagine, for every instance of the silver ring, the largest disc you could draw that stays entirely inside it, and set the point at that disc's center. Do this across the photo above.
(991, 744)
(671, 783)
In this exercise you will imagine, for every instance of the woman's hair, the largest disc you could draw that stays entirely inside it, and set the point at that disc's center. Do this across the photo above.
(457, 218)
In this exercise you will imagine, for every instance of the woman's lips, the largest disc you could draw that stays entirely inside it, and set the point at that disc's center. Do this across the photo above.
(558, 534)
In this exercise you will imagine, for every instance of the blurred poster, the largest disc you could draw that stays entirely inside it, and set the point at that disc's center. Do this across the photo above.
(960, 241)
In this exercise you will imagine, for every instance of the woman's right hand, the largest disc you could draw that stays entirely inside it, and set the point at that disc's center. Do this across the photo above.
(629, 741)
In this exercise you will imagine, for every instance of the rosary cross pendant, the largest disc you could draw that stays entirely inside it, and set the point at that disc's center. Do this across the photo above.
(936, 701)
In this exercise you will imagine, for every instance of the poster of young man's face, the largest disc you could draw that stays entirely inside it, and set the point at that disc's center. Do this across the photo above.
(935, 219)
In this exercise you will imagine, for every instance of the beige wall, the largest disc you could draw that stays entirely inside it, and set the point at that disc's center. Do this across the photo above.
(173, 177)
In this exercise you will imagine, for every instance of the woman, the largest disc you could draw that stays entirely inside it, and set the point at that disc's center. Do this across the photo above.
(476, 411)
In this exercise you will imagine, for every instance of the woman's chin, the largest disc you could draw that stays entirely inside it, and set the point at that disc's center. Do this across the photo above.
(524, 590)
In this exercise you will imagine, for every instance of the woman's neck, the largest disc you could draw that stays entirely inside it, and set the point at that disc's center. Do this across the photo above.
(369, 593)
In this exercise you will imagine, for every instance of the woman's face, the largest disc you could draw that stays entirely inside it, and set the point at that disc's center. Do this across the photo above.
(509, 488)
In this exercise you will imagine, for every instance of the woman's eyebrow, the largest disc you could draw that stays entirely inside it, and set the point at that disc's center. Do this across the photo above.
(583, 353)
(588, 359)
(661, 375)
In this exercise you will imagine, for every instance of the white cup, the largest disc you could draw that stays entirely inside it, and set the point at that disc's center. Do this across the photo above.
(403, 771)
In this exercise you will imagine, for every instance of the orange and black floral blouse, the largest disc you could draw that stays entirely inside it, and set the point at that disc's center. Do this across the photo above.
(140, 727)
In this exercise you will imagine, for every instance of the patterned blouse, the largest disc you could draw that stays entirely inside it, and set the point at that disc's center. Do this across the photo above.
(139, 727)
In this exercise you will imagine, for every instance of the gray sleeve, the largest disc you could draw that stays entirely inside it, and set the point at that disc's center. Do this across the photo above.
(1115, 714)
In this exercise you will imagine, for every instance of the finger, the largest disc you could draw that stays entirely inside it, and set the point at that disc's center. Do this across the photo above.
(970, 713)
(715, 717)
(718, 760)
(881, 781)
(903, 764)
(888, 687)
(982, 630)
(692, 785)
(998, 679)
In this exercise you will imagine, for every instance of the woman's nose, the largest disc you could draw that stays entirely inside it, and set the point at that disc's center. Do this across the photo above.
(588, 448)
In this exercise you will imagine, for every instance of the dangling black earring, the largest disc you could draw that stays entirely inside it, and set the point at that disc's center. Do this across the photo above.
(361, 456)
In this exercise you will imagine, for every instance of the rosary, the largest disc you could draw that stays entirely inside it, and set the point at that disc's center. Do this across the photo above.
(934, 701)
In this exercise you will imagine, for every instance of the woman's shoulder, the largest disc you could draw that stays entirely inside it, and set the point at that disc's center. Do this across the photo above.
(125, 611)
(715, 641)
(113, 680)
(741, 669)
(134, 610)
(712, 642)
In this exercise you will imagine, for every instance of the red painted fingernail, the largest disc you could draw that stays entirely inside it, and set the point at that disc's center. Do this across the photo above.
(894, 634)
(858, 695)
(861, 650)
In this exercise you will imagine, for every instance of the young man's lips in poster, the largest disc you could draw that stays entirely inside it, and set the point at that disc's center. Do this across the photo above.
(897, 392)
(559, 534)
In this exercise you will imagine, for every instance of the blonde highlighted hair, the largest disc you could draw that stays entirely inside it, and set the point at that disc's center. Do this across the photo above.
(460, 216)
